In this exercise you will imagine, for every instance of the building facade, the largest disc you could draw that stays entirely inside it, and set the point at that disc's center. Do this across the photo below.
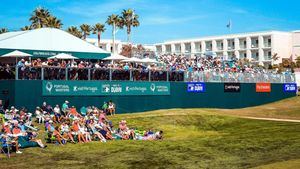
(257, 47)
(107, 44)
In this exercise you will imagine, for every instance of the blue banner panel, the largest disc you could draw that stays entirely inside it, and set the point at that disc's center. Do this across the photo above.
(290, 87)
(196, 87)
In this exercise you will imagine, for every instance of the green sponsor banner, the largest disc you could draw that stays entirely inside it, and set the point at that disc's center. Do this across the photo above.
(102, 88)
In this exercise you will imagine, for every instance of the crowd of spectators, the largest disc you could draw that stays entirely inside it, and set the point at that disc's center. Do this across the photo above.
(177, 67)
(65, 124)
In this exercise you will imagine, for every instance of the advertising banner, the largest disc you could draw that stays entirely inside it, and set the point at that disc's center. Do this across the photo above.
(263, 87)
(102, 88)
(232, 87)
(196, 87)
(290, 87)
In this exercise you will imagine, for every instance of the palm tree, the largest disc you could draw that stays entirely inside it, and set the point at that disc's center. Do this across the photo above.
(26, 28)
(74, 31)
(274, 58)
(39, 17)
(116, 22)
(86, 30)
(3, 30)
(98, 29)
(130, 19)
(53, 22)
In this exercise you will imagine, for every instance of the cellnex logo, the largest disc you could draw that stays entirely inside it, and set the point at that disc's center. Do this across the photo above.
(232, 87)
(263, 87)
(49, 86)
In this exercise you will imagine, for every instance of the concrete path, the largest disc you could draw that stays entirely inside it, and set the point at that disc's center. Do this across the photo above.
(271, 119)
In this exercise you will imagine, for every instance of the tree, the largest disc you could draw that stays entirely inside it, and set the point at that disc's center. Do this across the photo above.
(274, 58)
(116, 22)
(3, 30)
(26, 28)
(86, 30)
(39, 17)
(53, 22)
(298, 61)
(98, 29)
(130, 19)
(74, 31)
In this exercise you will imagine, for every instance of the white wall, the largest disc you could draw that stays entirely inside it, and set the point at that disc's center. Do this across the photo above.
(282, 45)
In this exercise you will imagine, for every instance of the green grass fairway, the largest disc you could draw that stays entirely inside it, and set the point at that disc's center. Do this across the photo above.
(194, 138)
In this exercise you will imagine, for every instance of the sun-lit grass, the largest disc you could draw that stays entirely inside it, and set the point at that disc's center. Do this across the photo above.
(194, 138)
(191, 141)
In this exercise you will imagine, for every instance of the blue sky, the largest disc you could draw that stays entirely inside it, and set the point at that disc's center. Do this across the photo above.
(163, 20)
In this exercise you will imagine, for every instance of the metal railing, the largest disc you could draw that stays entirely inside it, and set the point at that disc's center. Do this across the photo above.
(57, 73)
(207, 76)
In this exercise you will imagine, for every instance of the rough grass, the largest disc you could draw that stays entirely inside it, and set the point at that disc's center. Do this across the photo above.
(194, 138)
(285, 109)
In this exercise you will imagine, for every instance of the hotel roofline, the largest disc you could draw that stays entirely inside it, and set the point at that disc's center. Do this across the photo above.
(226, 36)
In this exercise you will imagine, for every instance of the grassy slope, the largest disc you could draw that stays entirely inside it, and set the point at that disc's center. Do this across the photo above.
(285, 109)
(290, 164)
(195, 138)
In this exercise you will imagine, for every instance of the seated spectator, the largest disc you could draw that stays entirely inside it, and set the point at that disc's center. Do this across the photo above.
(111, 108)
(65, 108)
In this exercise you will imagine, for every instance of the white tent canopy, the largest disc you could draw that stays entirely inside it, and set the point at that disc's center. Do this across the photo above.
(16, 54)
(148, 60)
(116, 57)
(133, 60)
(46, 42)
(63, 56)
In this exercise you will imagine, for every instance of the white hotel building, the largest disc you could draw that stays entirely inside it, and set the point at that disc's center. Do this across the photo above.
(257, 46)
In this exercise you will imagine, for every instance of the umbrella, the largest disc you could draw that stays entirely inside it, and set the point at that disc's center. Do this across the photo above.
(148, 60)
(16, 54)
(116, 57)
(133, 59)
(62, 56)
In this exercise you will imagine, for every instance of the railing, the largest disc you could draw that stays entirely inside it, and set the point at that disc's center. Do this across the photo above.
(57, 73)
(208, 76)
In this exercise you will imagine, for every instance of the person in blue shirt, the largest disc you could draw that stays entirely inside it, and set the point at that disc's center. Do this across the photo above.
(21, 63)
(126, 67)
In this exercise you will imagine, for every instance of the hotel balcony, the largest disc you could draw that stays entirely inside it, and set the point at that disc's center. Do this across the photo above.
(243, 54)
(208, 46)
(231, 45)
(254, 55)
(267, 55)
(177, 48)
(198, 47)
(168, 49)
(220, 45)
(230, 55)
(243, 44)
(188, 48)
(254, 42)
(267, 41)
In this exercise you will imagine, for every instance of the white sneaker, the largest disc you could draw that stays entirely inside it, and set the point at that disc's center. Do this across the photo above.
(18, 152)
